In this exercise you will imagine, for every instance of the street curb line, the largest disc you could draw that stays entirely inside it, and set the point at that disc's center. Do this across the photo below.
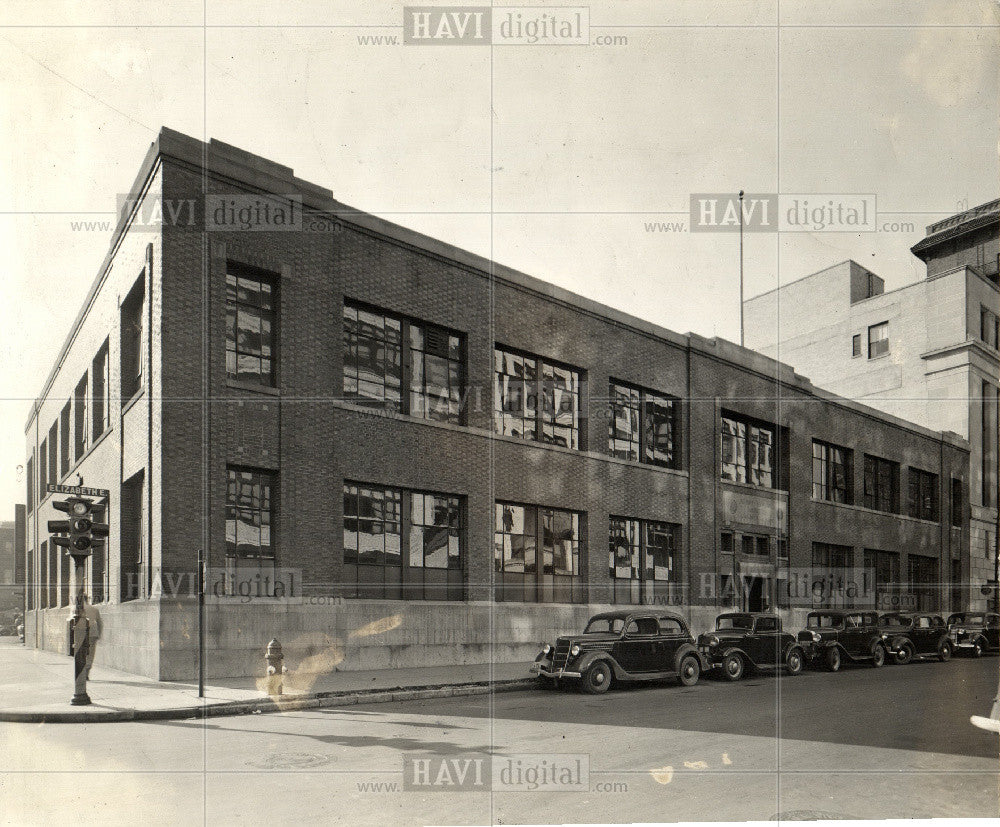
(292, 703)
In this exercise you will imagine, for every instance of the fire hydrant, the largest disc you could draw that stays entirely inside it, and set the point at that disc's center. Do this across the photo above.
(275, 667)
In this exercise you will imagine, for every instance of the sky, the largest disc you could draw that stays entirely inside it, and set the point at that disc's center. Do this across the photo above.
(571, 163)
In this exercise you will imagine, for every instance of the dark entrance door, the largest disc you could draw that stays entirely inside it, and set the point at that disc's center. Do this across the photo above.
(755, 591)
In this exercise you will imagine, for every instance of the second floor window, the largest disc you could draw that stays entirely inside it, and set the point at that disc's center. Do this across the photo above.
(747, 452)
(535, 399)
(957, 502)
(81, 425)
(102, 382)
(878, 340)
(922, 494)
(881, 484)
(643, 426)
(412, 366)
(250, 326)
(833, 475)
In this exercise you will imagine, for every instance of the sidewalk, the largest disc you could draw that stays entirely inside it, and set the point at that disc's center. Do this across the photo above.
(36, 687)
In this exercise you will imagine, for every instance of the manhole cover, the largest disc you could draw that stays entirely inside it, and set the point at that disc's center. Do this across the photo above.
(809, 815)
(290, 761)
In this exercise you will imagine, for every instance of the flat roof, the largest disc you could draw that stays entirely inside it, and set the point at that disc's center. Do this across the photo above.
(226, 161)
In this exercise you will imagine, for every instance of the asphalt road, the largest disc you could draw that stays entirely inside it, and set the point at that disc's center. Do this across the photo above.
(863, 743)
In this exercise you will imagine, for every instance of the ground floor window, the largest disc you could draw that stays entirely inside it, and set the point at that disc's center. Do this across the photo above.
(922, 572)
(884, 568)
(249, 521)
(536, 554)
(643, 561)
(401, 544)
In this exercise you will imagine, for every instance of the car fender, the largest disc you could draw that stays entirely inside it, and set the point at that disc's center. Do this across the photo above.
(792, 644)
(683, 652)
(897, 642)
(589, 658)
(730, 650)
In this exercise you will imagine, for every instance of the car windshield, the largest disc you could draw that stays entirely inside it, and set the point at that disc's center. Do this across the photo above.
(966, 617)
(604, 626)
(824, 622)
(737, 622)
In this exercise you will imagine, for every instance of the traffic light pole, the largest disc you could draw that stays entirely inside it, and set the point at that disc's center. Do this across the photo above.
(81, 641)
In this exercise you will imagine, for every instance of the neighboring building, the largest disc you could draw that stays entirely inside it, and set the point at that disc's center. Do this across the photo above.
(926, 351)
(435, 458)
(11, 595)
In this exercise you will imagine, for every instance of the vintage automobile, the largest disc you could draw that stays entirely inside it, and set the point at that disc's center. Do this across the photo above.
(628, 645)
(909, 636)
(833, 636)
(745, 640)
(974, 632)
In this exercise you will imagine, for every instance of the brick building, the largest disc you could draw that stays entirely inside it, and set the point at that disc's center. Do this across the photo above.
(926, 351)
(395, 452)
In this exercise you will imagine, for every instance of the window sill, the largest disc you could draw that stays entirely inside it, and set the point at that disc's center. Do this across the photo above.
(863, 509)
(751, 487)
(250, 387)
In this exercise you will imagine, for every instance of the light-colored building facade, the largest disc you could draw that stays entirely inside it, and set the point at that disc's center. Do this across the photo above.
(926, 352)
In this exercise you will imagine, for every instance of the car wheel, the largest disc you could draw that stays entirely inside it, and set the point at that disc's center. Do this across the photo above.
(690, 670)
(904, 655)
(833, 659)
(878, 655)
(977, 649)
(944, 651)
(596, 679)
(795, 661)
(733, 667)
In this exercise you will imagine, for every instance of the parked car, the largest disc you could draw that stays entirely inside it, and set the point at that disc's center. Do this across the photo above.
(832, 637)
(745, 640)
(628, 645)
(908, 636)
(974, 632)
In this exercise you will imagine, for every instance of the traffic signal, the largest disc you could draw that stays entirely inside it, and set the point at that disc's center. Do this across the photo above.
(82, 527)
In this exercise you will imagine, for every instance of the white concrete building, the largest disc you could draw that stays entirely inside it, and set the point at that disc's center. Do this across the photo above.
(926, 352)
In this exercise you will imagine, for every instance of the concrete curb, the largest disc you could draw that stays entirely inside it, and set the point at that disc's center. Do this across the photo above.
(289, 703)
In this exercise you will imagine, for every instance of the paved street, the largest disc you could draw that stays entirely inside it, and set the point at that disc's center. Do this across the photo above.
(862, 743)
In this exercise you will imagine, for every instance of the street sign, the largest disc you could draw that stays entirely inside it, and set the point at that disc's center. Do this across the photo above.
(79, 490)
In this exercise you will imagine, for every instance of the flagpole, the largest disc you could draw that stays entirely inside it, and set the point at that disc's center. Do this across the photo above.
(741, 268)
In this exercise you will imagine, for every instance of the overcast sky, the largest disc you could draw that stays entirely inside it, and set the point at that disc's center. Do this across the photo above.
(552, 159)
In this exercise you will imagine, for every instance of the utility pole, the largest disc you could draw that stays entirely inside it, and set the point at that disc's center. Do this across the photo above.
(201, 623)
(741, 268)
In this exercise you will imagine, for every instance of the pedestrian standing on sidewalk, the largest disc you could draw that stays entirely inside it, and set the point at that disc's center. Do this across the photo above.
(96, 627)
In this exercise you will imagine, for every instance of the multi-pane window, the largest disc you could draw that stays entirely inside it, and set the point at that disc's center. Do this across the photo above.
(856, 345)
(536, 554)
(401, 544)
(642, 559)
(251, 305)
(830, 556)
(727, 542)
(881, 484)
(833, 473)
(747, 452)
(249, 520)
(643, 426)
(957, 502)
(990, 432)
(989, 326)
(131, 341)
(64, 439)
(922, 574)
(922, 494)
(878, 340)
(54, 453)
(412, 366)
(81, 425)
(30, 482)
(884, 567)
(43, 465)
(536, 399)
(102, 382)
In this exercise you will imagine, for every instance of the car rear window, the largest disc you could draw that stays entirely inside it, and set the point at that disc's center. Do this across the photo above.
(604, 625)
(823, 622)
(737, 622)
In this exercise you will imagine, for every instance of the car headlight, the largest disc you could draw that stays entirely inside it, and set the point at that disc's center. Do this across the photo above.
(575, 650)
(817, 637)
(712, 640)
(546, 649)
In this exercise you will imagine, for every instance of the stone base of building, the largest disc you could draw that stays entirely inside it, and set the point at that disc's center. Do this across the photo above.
(158, 639)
